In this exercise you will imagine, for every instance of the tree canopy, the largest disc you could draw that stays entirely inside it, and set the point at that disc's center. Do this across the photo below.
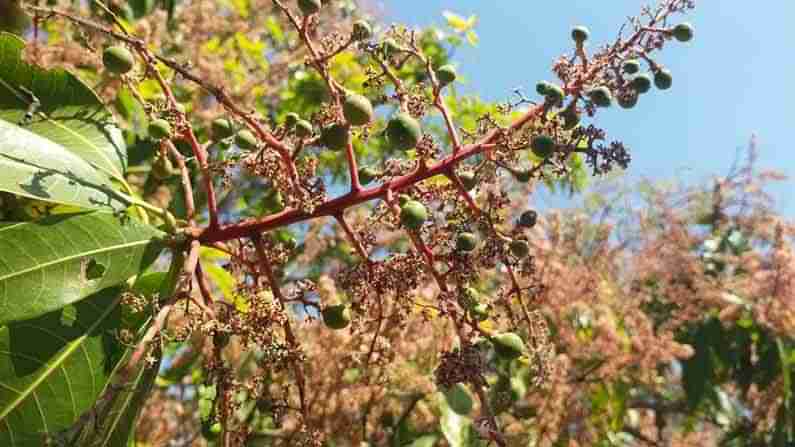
(280, 223)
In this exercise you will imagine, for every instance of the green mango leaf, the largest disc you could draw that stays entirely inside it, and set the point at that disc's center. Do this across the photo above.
(458, 399)
(49, 263)
(38, 168)
(221, 278)
(457, 429)
(54, 367)
(699, 371)
(69, 113)
(116, 421)
(117, 426)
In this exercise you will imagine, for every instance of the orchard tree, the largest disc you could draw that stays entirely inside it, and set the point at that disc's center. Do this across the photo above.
(276, 222)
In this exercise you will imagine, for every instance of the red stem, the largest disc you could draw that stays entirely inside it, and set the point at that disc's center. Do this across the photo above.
(335, 206)
(353, 168)
(201, 157)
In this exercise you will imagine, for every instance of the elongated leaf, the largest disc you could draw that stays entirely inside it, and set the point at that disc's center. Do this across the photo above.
(38, 168)
(115, 423)
(70, 114)
(455, 427)
(53, 368)
(47, 264)
(115, 427)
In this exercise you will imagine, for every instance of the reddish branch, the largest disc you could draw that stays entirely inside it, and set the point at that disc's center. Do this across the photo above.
(250, 227)
(352, 238)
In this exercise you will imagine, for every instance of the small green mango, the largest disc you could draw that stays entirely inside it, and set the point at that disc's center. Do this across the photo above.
(641, 83)
(508, 345)
(628, 100)
(522, 176)
(466, 242)
(309, 7)
(663, 79)
(468, 179)
(403, 132)
(528, 219)
(413, 214)
(221, 128)
(631, 66)
(519, 248)
(335, 136)
(291, 119)
(683, 32)
(118, 59)
(159, 129)
(357, 109)
(337, 316)
(245, 140)
(542, 146)
(367, 174)
(361, 30)
(303, 129)
(445, 75)
(601, 96)
(580, 34)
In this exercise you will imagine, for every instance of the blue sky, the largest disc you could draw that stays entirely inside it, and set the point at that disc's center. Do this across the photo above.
(733, 80)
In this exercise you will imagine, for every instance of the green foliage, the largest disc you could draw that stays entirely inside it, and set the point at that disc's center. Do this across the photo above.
(64, 101)
(12, 17)
(59, 361)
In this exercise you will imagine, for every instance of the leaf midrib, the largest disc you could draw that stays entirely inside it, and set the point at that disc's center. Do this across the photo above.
(73, 257)
(89, 143)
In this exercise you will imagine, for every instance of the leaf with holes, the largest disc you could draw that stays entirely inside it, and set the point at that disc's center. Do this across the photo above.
(49, 263)
(60, 108)
(53, 368)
